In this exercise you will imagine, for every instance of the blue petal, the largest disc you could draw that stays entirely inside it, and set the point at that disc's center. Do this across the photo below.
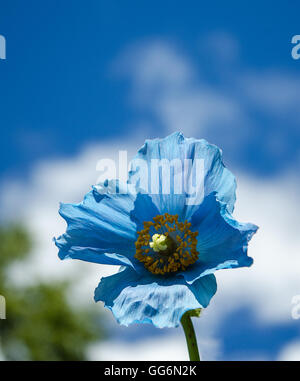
(99, 229)
(152, 299)
(144, 210)
(217, 178)
(222, 241)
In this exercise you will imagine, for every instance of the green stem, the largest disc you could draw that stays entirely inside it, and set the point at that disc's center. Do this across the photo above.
(190, 335)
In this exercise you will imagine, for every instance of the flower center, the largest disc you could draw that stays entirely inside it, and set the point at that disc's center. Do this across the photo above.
(166, 245)
(159, 242)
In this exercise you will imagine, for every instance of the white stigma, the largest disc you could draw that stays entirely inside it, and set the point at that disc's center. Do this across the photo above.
(159, 242)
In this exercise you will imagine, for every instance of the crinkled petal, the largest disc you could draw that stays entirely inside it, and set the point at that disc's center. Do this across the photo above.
(99, 228)
(212, 177)
(222, 241)
(152, 299)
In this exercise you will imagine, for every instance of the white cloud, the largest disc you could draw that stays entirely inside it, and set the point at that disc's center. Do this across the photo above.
(178, 95)
(168, 85)
(36, 202)
(170, 347)
(290, 352)
(193, 111)
(154, 65)
(269, 285)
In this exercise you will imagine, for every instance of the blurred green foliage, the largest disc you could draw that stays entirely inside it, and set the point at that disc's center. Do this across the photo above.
(41, 324)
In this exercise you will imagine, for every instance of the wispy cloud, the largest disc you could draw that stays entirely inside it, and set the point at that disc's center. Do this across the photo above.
(241, 109)
(165, 83)
(273, 92)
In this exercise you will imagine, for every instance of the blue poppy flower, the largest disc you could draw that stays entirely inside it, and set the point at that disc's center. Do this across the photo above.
(168, 243)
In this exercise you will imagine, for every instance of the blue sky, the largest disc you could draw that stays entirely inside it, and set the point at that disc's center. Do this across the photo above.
(83, 73)
(58, 90)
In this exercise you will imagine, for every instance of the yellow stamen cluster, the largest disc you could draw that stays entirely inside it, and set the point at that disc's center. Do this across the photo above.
(173, 245)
